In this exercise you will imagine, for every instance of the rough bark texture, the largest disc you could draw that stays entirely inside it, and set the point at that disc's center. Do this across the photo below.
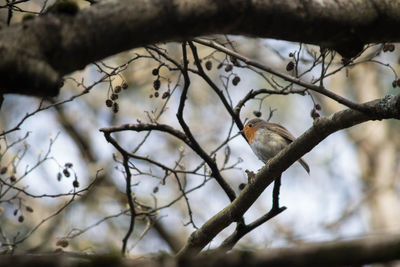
(35, 54)
(342, 253)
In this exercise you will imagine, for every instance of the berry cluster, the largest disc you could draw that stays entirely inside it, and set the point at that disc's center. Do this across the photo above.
(111, 102)
(388, 48)
(67, 173)
(157, 85)
(228, 68)
(314, 113)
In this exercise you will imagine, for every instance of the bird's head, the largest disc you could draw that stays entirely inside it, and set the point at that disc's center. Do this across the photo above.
(251, 128)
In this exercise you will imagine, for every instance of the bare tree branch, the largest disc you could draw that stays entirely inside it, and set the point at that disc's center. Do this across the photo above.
(316, 88)
(388, 107)
(241, 229)
(374, 249)
(35, 54)
(128, 190)
(218, 91)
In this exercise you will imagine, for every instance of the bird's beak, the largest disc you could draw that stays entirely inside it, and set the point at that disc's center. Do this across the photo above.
(241, 132)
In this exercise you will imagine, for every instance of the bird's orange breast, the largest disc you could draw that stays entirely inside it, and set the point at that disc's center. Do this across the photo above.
(250, 133)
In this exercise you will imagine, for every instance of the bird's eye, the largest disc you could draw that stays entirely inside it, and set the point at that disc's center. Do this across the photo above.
(250, 125)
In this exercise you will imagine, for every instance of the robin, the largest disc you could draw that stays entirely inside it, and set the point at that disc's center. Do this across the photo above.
(267, 139)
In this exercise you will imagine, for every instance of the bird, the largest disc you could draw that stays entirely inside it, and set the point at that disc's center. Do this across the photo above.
(266, 139)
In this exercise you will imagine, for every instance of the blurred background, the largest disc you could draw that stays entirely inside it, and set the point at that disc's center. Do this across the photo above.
(352, 190)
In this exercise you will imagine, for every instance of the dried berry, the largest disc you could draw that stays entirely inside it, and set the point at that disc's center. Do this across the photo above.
(235, 80)
(208, 65)
(155, 189)
(242, 186)
(228, 67)
(62, 243)
(109, 103)
(117, 89)
(394, 83)
(124, 85)
(165, 94)
(156, 94)
(75, 183)
(156, 84)
(220, 65)
(115, 107)
(291, 54)
(314, 114)
(235, 61)
(290, 66)
(29, 209)
(317, 106)
(21, 218)
(3, 170)
(68, 165)
(114, 96)
(154, 72)
(346, 61)
(257, 113)
(15, 212)
(59, 176)
(13, 179)
(388, 47)
(150, 96)
(66, 173)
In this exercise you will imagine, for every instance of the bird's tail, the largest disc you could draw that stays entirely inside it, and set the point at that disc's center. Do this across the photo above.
(305, 165)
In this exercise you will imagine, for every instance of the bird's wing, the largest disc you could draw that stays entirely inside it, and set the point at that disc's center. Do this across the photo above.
(282, 131)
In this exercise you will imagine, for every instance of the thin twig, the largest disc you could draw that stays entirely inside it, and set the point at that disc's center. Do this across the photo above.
(284, 76)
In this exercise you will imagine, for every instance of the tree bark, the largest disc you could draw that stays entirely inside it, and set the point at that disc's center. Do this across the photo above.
(369, 250)
(35, 54)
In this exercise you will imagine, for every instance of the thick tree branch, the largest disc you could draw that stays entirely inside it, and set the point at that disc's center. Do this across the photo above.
(377, 249)
(388, 107)
(382, 249)
(243, 229)
(35, 54)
